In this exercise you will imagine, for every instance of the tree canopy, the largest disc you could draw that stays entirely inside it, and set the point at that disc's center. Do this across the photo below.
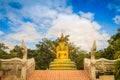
(113, 49)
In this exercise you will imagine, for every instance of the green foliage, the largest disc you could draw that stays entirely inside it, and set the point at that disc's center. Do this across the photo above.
(79, 59)
(44, 55)
(99, 54)
(113, 50)
(3, 47)
(105, 53)
(117, 70)
(72, 50)
(114, 44)
(3, 53)
(16, 51)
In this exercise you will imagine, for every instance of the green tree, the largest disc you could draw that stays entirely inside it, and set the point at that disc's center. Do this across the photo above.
(79, 58)
(114, 45)
(99, 54)
(3, 48)
(31, 53)
(3, 52)
(16, 51)
(44, 55)
(117, 70)
(113, 49)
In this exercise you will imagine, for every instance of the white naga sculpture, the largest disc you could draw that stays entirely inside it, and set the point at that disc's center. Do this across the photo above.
(93, 50)
(24, 50)
(24, 68)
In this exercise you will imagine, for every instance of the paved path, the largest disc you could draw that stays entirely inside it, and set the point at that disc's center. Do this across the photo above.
(59, 75)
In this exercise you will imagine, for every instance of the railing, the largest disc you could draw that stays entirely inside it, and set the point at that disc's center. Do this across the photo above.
(105, 65)
(101, 66)
(30, 66)
(87, 66)
(13, 68)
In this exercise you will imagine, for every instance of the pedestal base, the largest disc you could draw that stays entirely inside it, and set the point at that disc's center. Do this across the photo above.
(62, 64)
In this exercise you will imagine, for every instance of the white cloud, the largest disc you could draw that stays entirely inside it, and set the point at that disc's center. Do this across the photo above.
(14, 19)
(117, 19)
(27, 31)
(58, 5)
(114, 5)
(88, 15)
(1, 33)
(82, 31)
(38, 13)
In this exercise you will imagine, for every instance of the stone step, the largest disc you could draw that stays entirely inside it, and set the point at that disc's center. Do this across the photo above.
(59, 75)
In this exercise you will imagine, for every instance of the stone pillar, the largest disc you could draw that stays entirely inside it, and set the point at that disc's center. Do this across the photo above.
(24, 65)
(93, 70)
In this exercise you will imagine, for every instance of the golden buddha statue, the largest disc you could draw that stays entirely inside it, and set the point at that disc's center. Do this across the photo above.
(62, 49)
(62, 52)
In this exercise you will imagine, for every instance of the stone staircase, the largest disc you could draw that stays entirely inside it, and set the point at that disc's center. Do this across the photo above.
(59, 75)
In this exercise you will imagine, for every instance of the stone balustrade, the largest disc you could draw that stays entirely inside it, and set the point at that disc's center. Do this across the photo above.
(101, 66)
(105, 65)
(30, 66)
(87, 66)
(11, 69)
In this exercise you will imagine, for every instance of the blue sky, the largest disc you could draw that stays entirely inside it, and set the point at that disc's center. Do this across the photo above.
(84, 20)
